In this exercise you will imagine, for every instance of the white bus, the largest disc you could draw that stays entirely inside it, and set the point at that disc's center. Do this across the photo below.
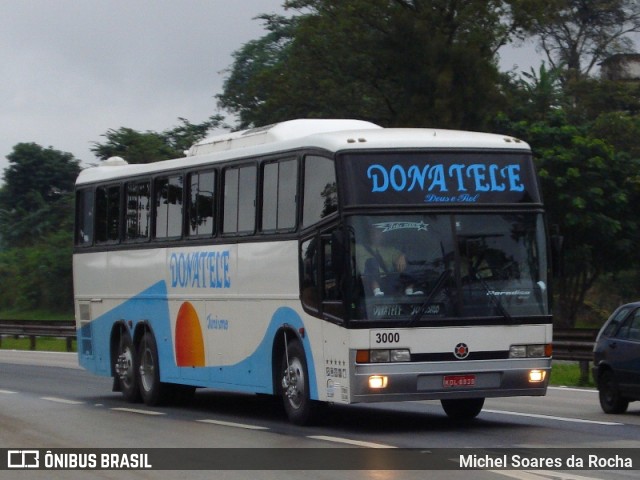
(321, 261)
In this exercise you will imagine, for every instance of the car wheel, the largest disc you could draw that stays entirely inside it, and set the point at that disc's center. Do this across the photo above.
(610, 399)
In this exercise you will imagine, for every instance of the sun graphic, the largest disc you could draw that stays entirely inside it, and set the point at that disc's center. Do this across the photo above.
(189, 341)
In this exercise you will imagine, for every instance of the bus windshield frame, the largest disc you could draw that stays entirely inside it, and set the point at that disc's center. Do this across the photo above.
(443, 268)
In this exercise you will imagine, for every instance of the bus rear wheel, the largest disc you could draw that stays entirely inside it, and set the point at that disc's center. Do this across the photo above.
(462, 408)
(295, 385)
(125, 368)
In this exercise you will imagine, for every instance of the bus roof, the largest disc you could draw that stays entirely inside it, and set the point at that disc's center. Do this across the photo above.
(330, 135)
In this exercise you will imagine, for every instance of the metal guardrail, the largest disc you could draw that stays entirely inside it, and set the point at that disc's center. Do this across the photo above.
(574, 343)
(39, 328)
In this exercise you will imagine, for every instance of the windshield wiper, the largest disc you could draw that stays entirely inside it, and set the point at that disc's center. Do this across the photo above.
(496, 301)
(436, 288)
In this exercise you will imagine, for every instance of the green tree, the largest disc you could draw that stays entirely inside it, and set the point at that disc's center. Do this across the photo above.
(397, 63)
(37, 176)
(576, 35)
(36, 224)
(590, 190)
(147, 147)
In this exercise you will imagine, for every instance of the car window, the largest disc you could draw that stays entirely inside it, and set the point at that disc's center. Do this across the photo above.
(612, 327)
(634, 328)
(631, 328)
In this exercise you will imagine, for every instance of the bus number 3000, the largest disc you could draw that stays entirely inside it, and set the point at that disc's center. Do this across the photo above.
(390, 337)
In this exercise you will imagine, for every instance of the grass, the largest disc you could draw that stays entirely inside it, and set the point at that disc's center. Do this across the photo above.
(44, 344)
(34, 315)
(567, 374)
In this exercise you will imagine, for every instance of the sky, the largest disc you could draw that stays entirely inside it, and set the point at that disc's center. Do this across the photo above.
(73, 69)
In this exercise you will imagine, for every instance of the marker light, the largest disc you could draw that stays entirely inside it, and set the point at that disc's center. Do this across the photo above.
(537, 376)
(377, 382)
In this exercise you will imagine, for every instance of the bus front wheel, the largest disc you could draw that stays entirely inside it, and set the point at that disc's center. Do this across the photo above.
(295, 385)
(462, 408)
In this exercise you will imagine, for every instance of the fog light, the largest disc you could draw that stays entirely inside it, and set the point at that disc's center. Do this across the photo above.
(377, 382)
(537, 376)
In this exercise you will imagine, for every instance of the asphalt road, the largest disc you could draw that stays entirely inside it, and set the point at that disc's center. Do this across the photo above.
(47, 402)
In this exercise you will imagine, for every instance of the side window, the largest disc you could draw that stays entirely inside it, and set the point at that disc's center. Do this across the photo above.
(309, 274)
(239, 200)
(84, 217)
(138, 211)
(634, 330)
(108, 214)
(201, 204)
(168, 201)
(321, 265)
(630, 330)
(332, 270)
(612, 326)
(320, 192)
(279, 181)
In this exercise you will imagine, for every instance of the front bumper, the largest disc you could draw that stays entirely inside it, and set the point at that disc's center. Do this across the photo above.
(425, 380)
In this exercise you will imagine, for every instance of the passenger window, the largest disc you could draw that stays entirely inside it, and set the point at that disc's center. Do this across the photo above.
(138, 213)
(279, 181)
(239, 200)
(84, 218)
(108, 214)
(201, 207)
(320, 191)
(168, 200)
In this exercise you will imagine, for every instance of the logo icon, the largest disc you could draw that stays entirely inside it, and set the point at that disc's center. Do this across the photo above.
(23, 459)
(461, 351)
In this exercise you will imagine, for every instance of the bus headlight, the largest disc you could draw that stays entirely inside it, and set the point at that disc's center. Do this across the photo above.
(530, 351)
(383, 356)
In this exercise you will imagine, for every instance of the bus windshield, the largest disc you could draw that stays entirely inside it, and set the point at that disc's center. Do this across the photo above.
(418, 268)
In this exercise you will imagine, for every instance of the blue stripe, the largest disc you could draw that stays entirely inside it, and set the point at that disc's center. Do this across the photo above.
(253, 374)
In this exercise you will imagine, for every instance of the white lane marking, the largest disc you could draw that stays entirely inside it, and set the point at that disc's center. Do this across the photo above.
(550, 417)
(8, 392)
(61, 400)
(136, 410)
(573, 389)
(348, 441)
(232, 424)
(541, 475)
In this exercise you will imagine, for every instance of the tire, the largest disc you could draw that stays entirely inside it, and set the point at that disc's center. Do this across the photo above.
(125, 366)
(462, 408)
(294, 383)
(610, 399)
(152, 391)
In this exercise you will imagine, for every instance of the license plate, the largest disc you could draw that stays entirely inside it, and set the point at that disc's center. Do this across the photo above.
(452, 381)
